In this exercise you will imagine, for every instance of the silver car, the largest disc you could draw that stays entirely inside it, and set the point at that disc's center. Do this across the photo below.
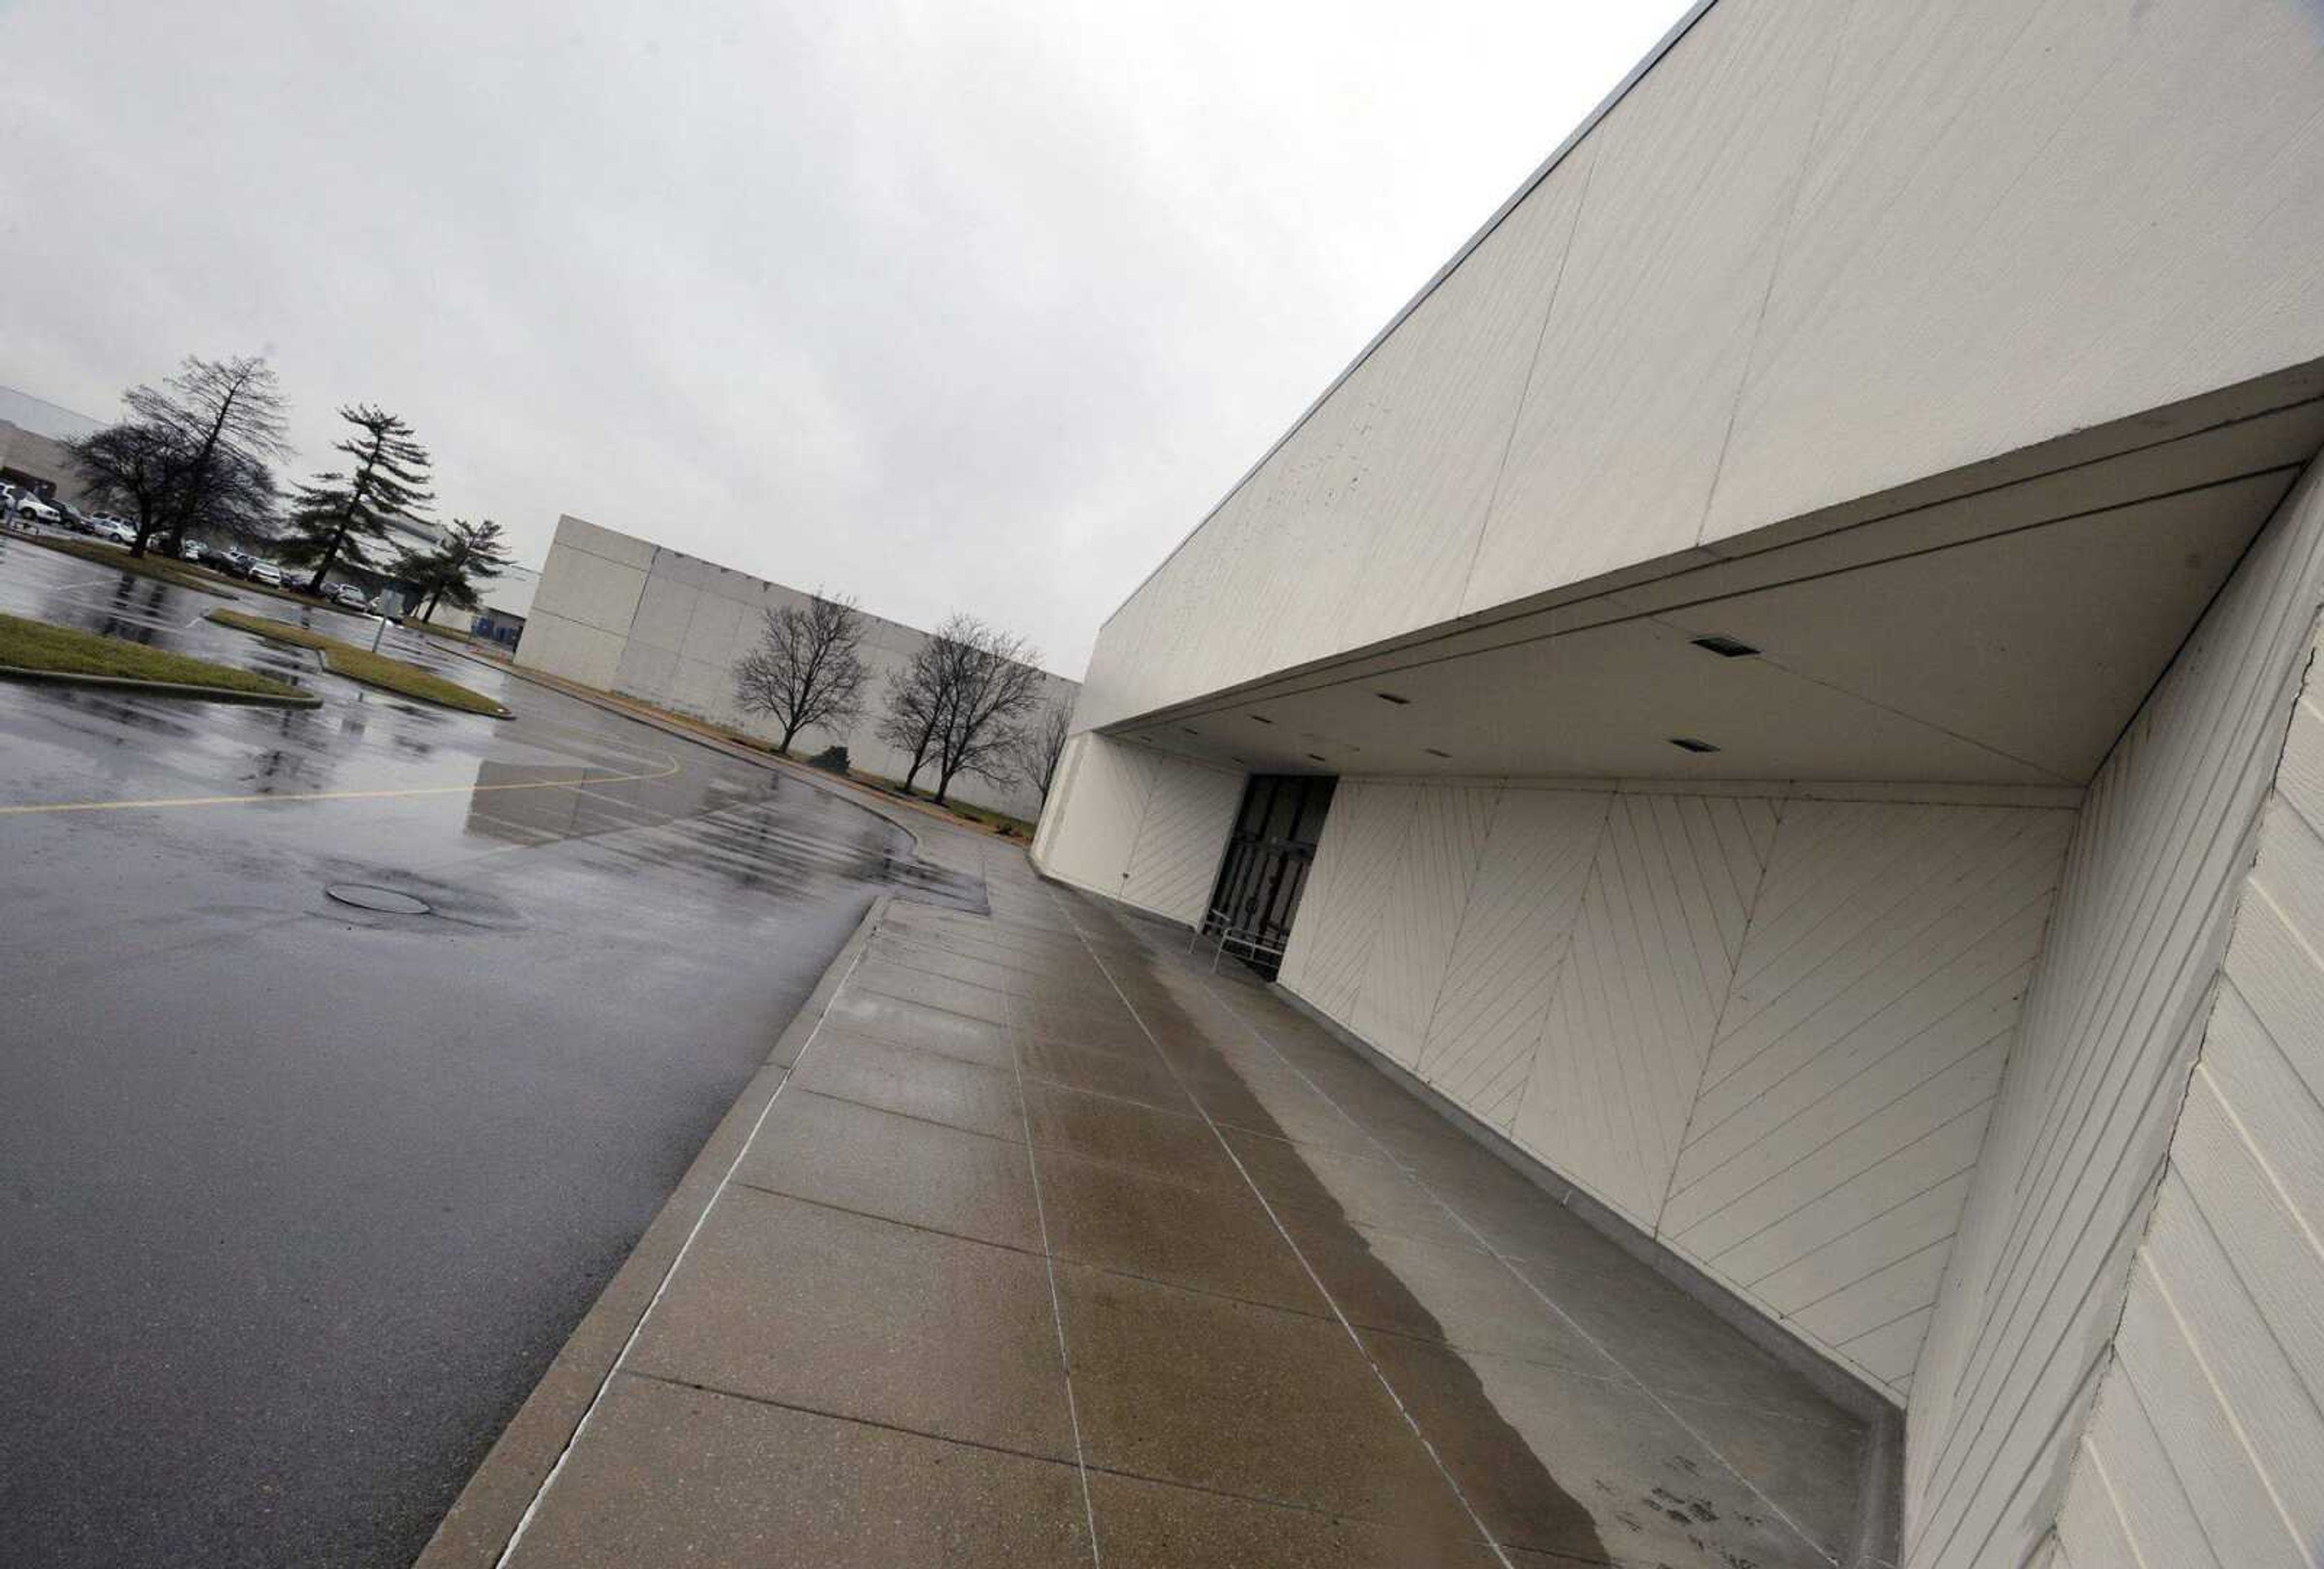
(266, 572)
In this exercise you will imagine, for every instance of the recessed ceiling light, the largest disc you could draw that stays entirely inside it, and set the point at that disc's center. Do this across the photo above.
(1433, 753)
(1392, 698)
(1726, 648)
(1262, 718)
(1689, 743)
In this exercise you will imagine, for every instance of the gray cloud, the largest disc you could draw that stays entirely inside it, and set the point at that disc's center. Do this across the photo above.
(974, 305)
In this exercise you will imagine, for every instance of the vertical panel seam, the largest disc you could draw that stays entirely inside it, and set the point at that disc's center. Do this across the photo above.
(1775, 270)
(1718, 1020)
(1533, 367)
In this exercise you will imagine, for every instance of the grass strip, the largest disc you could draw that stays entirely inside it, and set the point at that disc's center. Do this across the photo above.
(40, 645)
(176, 574)
(371, 669)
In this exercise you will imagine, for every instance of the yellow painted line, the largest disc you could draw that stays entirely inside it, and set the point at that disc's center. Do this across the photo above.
(166, 802)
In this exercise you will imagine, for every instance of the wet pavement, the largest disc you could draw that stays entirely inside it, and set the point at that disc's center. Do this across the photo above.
(1055, 1248)
(298, 1197)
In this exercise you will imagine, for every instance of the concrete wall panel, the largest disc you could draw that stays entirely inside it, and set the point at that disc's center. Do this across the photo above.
(582, 586)
(1972, 158)
(575, 650)
(1690, 194)
(1822, 252)
(607, 544)
(1091, 826)
(2222, 1329)
(1435, 868)
(648, 671)
(665, 611)
(1637, 1001)
(720, 630)
(1345, 901)
(2111, 1026)
(1487, 1025)
(1174, 858)
(1767, 1027)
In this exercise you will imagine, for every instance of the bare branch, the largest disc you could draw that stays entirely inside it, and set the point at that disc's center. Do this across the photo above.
(992, 684)
(808, 668)
(1034, 755)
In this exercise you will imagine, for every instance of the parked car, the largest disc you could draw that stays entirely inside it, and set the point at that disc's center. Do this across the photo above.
(32, 506)
(347, 596)
(236, 561)
(191, 551)
(265, 572)
(116, 531)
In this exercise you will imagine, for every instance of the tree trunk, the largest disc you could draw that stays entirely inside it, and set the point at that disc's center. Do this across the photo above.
(788, 731)
(331, 554)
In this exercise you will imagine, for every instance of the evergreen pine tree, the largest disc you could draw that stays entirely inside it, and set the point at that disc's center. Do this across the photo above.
(340, 515)
(469, 554)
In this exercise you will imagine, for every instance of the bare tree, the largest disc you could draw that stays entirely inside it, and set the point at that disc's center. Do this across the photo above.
(808, 668)
(916, 702)
(1034, 754)
(133, 464)
(194, 451)
(994, 684)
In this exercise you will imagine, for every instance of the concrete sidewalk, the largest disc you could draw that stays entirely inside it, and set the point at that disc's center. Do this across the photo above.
(1054, 1248)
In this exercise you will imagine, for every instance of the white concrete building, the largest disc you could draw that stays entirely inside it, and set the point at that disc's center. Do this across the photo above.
(1808, 615)
(504, 603)
(624, 615)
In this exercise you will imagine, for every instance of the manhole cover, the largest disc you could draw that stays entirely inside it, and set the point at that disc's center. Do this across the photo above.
(385, 900)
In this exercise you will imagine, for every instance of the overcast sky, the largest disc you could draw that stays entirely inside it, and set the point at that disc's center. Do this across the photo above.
(947, 306)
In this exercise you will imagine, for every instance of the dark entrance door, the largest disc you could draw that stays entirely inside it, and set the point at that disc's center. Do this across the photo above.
(1266, 861)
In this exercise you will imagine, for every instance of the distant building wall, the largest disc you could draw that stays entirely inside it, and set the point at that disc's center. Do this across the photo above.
(44, 460)
(619, 612)
(506, 598)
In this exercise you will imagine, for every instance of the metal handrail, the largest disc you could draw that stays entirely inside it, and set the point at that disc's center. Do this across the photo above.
(1246, 940)
(1249, 943)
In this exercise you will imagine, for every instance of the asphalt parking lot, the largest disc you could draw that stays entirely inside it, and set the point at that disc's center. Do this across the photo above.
(297, 1197)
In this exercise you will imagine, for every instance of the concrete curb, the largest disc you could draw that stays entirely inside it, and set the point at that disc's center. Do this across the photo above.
(323, 662)
(60, 548)
(159, 689)
(477, 1528)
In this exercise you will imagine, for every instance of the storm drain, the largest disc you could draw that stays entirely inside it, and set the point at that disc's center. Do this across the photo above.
(384, 900)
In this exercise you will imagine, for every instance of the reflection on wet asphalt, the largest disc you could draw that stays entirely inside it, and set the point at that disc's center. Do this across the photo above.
(297, 1198)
